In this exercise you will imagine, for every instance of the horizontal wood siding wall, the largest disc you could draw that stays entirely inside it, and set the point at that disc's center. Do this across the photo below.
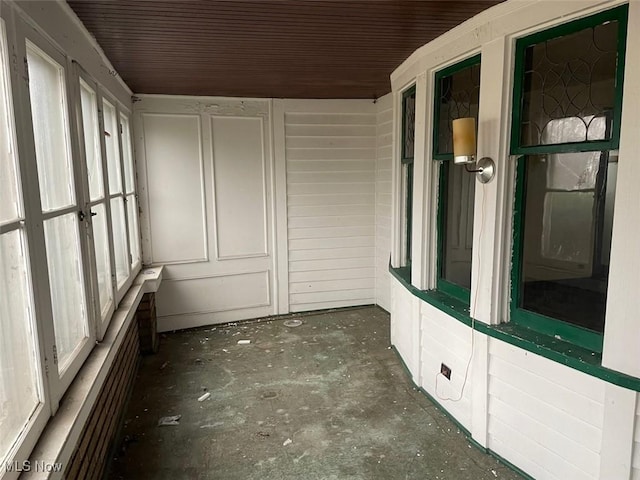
(544, 417)
(330, 162)
(446, 340)
(635, 466)
(90, 457)
(383, 199)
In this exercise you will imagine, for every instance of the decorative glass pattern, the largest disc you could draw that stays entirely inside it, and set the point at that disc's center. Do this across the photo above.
(408, 124)
(569, 84)
(457, 96)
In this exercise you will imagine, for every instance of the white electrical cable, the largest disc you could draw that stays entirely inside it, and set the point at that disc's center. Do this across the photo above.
(473, 320)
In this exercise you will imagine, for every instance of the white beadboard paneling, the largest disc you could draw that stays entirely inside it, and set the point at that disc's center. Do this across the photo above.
(348, 200)
(331, 285)
(174, 169)
(330, 150)
(335, 118)
(240, 190)
(313, 265)
(331, 253)
(544, 417)
(313, 243)
(295, 154)
(333, 274)
(384, 129)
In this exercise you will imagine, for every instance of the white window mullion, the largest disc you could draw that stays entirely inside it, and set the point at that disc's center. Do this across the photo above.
(90, 135)
(102, 327)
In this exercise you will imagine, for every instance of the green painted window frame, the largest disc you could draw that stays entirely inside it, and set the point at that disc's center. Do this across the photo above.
(445, 159)
(407, 162)
(573, 334)
(619, 14)
(445, 72)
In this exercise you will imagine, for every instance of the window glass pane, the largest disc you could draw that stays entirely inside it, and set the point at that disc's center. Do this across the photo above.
(459, 97)
(571, 79)
(103, 265)
(457, 230)
(134, 234)
(567, 236)
(49, 117)
(66, 283)
(92, 140)
(9, 198)
(119, 240)
(113, 151)
(129, 176)
(408, 123)
(19, 369)
(408, 209)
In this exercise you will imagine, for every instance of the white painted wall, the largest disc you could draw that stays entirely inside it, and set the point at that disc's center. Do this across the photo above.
(405, 327)
(544, 417)
(206, 183)
(446, 340)
(330, 153)
(384, 138)
(552, 421)
(246, 230)
(635, 467)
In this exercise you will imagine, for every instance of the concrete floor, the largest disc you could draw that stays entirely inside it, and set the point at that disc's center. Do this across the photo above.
(325, 400)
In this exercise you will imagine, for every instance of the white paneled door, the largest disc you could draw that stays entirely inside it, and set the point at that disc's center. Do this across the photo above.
(205, 169)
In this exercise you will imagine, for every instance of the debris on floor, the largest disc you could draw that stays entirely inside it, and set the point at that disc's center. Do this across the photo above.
(292, 323)
(288, 441)
(170, 420)
(244, 342)
(204, 396)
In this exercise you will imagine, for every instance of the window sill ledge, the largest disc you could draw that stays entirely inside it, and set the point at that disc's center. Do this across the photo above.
(578, 358)
(60, 436)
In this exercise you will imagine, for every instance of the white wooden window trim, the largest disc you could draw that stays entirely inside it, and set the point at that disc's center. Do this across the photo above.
(53, 385)
(59, 382)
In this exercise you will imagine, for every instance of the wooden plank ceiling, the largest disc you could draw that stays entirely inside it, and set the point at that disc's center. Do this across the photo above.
(268, 48)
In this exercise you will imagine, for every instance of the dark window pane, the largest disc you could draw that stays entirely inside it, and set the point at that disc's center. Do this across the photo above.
(567, 236)
(457, 242)
(408, 188)
(569, 87)
(459, 95)
(408, 124)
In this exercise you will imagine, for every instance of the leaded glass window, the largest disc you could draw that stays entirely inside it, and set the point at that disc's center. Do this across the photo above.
(569, 85)
(407, 153)
(457, 96)
(408, 124)
(567, 125)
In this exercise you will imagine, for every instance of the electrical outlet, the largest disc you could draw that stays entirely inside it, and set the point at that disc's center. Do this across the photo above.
(445, 371)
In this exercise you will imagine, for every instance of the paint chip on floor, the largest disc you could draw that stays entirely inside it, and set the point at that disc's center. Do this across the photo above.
(288, 441)
(170, 420)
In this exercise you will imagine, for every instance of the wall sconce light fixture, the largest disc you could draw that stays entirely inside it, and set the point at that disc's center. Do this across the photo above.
(464, 150)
